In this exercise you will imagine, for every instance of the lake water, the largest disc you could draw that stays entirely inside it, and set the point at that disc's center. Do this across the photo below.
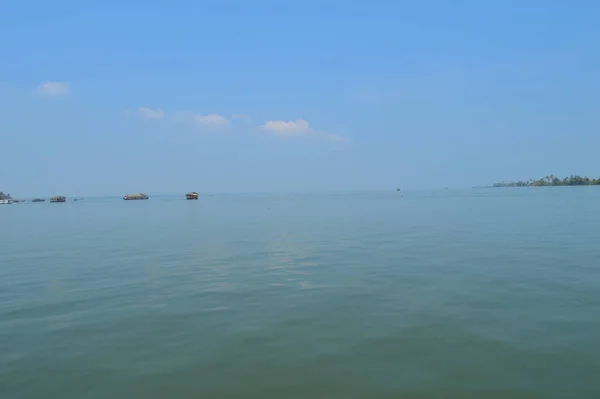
(483, 293)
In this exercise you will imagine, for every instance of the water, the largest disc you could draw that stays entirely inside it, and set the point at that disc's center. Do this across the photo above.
(441, 294)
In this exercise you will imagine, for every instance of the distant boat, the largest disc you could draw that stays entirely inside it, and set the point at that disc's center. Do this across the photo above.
(5, 202)
(58, 198)
(192, 195)
(140, 196)
(38, 200)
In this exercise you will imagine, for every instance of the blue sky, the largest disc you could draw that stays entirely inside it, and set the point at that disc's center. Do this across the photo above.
(239, 96)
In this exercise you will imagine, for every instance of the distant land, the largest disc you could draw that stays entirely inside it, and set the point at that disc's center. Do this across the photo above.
(549, 181)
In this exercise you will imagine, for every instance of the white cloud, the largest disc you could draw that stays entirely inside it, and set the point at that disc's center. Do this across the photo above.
(215, 122)
(147, 113)
(297, 128)
(53, 89)
(203, 122)
(210, 120)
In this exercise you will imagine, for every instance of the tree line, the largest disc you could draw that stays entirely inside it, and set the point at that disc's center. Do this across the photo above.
(552, 180)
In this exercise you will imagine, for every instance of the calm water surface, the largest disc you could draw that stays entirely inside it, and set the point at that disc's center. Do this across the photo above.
(441, 294)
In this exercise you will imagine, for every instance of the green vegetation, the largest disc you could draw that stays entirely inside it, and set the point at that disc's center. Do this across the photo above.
(552, 181)
(4, 196)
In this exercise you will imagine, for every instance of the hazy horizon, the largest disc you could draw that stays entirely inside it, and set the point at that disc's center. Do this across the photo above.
(238, 193)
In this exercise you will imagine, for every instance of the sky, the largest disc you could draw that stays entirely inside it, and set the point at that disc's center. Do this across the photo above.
(112, 97)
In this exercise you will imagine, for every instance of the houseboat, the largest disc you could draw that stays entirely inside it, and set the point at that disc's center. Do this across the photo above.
(191, 195)
(140, 196)
(58, 198)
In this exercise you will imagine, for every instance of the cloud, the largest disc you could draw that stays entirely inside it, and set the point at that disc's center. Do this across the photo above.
(297, 128)
(203, 122)
(53, 89)
(216, 123)
(147, 113)
(210, 120)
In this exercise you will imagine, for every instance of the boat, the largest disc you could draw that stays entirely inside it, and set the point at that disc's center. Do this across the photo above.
(58, 198)
(5, 198)
(38, 200)
(140, 196)
(192, 195)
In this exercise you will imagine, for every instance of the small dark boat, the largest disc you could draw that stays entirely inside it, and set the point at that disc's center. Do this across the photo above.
(140, 196)
(192, 195)
(38, 200)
